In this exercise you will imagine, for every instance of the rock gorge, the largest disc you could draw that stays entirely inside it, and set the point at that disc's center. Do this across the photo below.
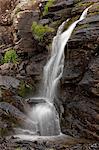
(78, 104)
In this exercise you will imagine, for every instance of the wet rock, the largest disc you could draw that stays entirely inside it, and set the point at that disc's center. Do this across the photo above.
(9, 109)
(60, 144)
(17, 101)
(16, 117)
(91, 78)
(75, 63)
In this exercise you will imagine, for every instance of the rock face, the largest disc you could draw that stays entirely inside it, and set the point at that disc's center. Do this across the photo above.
(80, 82)
(79, 87)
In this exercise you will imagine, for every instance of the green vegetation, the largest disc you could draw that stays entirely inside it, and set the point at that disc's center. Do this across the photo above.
(10, 56)
(70, 22)
(48, 4)
(39, 30)
(94, 13)
(86, 4)
(24, 89)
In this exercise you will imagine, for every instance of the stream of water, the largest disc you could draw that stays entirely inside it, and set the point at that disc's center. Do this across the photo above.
(44, 113)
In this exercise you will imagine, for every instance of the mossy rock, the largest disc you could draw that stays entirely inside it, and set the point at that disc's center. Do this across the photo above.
(81, 4)
(47, 6)
(39, 30)
(25, 89)
(10, 56)
(72, 20)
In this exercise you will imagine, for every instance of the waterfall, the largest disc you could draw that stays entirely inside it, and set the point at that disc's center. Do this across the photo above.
(44, 113)
(54, 68)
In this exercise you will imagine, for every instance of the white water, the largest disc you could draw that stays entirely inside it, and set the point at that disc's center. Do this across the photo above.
(54, 68)
(47, 118)
(45, 114)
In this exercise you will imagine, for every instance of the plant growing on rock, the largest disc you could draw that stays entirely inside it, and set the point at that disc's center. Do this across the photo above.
(46, 8)
(10, 56)
(39, 30)
(24, 89)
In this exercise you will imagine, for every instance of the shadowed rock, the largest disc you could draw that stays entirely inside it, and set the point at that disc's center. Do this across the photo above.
(16, 116)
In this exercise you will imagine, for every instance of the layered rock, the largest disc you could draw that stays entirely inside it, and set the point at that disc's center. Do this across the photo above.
(80, 79)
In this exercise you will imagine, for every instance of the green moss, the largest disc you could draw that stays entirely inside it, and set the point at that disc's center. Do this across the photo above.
(86, 4)
(39, 30)
(83, 26)
(3, 131)
(94, 13)
(55, 24)
(24, 89)
(10, 56)
(97, 6)
(70, 22)
(46, 8)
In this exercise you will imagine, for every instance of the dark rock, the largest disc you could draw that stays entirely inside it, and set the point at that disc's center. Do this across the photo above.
(33, 101)
(67, 143)
(58, 6)
(80, 82)
(91, 78)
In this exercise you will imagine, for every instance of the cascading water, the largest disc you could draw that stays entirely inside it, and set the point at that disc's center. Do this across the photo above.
(44, 114)
(54, 68)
